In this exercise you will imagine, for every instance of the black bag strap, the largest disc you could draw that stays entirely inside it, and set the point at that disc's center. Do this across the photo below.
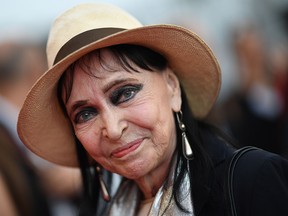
(231, 169)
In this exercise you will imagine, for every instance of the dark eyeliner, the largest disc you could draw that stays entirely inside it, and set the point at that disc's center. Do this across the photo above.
(118, 93)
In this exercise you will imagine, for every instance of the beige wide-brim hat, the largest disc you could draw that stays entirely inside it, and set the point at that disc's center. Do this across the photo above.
(43, 127)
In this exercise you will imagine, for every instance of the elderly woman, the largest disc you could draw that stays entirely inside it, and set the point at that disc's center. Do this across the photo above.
(122, 98)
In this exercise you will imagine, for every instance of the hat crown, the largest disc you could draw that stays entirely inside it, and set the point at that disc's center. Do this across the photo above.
(82, 18)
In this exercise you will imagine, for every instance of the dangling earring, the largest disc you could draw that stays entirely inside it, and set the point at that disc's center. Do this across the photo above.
(103, 187)
(187, 150)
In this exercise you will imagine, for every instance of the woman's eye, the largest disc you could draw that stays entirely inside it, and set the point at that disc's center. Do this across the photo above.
(84, 116)
(125, 93)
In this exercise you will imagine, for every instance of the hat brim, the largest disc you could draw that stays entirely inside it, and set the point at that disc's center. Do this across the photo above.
(46, 131)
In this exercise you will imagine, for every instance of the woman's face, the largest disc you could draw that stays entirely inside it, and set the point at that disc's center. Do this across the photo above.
(125, 119)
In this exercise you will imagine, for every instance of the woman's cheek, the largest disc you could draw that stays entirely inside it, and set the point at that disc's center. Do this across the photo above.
(90, 142)
(143, 116)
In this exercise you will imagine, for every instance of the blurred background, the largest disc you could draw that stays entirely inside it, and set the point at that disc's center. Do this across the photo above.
(248, 37)
(215, 21)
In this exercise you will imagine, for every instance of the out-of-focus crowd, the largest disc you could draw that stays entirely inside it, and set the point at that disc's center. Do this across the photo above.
(28, 185)
(255, 114)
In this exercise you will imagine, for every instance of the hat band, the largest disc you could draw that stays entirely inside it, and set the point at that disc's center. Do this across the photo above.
(83, 39)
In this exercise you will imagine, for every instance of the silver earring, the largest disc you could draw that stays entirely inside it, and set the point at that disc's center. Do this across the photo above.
(103, 187)
(187, 150)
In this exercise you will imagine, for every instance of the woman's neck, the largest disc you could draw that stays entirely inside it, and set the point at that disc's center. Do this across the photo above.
(151, 183)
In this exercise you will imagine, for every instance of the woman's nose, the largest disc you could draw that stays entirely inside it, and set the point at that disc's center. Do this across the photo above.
(113, 124)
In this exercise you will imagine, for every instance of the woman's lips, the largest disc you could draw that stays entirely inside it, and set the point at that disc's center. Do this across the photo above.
(130, 147)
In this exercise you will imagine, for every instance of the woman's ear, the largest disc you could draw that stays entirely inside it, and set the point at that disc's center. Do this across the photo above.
(174, 90)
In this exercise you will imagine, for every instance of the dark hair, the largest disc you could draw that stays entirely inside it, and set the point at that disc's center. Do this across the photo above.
(146, 59)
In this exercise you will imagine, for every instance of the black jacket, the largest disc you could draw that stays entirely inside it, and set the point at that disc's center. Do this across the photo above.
(260, 186)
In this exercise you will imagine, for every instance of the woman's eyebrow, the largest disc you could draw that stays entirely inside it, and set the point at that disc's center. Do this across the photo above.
(78, 104)
(106, 88)
(116, 82)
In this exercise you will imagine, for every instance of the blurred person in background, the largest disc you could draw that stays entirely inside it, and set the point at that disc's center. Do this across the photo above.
(280, 69)
(21, 192)
(33, 186)
(252, 114)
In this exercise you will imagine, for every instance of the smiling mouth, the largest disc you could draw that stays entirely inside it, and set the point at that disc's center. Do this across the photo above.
(125, 150)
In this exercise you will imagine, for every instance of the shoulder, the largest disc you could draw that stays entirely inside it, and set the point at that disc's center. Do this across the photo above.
(259, 157)
(258, 163)
(261, 183)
